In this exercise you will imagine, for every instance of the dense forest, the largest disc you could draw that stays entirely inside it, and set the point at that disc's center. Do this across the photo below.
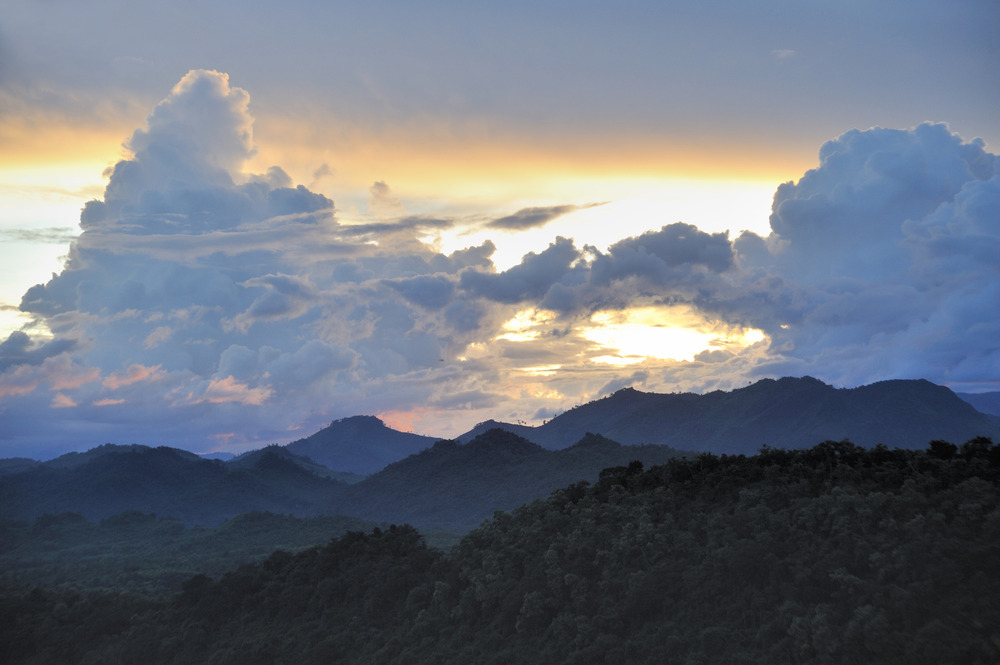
(139, 552)
(834, 554)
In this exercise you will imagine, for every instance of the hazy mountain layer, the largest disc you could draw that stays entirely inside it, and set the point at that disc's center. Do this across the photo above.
(784, 413)
(361, 445)
(458, 486)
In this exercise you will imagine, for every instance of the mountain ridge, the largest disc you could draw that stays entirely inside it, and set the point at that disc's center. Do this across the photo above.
(336, 445)
(780, 413)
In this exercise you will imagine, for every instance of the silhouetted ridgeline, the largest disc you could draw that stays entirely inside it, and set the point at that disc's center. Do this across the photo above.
(782, 413)
(834, 554)
(447, 486)
(360, 444)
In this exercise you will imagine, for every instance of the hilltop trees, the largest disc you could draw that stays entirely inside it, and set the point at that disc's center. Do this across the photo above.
(836, 554)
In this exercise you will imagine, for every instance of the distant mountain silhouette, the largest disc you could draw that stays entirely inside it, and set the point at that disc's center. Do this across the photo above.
(360, 444)
(457, 486)
(166, 481)
(449, 485)
(783, 413)
(988, 403)
(525, 431)
(252, 459)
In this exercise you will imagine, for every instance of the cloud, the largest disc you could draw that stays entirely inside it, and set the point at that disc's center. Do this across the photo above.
(382, 202)
(54, 235)
(285, 297)
(878, 262)
(529, 218)
(530, 279)
(134, 374)
(20, 349)
(229, 390)
(201, 301)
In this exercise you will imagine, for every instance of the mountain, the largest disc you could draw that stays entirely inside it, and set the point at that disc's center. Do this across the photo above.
(988, 403)
(109, 480)
(252, 459)
(833, 554)
(455, 486)
(525, 431)
(783, 413)
(360, 444)
(448, 485)
(11, 465)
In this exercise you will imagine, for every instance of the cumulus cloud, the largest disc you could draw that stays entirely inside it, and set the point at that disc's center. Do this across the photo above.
(200, 300)
(530, 279)
(877, 262)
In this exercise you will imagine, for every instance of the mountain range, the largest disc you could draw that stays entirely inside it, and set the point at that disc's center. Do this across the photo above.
(448, 486)
(784, 413)
(360, 467)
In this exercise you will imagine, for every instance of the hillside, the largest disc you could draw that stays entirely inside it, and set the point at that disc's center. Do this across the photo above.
(456, 486)
(988, 403)
(165, 481)
(833, 554)
(785, 413)
(360, 445)
(449, 485)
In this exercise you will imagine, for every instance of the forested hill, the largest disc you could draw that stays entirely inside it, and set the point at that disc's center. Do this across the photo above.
(455, 487)
(834, 554)
(449, 485)
(165, 481)
(783, 413)
(360, 444)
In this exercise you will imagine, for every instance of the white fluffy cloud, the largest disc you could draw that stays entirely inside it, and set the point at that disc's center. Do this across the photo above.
(204, 305)
(880, 260)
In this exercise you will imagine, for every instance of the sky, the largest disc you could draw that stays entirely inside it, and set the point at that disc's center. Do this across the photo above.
(224, 226)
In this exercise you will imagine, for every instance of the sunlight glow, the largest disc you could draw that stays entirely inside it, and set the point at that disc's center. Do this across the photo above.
(541, 370)
(662, 333)
(627, 209)
(522, 328)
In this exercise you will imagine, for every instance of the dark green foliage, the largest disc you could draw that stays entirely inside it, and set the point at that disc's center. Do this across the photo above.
(139, 553)
(835, 554)
(456, 487)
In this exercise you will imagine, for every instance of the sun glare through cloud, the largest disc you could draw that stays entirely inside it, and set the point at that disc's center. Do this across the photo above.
(411, 225)
(637, 335)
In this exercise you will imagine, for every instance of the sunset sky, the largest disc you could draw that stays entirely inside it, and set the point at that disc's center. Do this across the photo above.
(224, 225)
